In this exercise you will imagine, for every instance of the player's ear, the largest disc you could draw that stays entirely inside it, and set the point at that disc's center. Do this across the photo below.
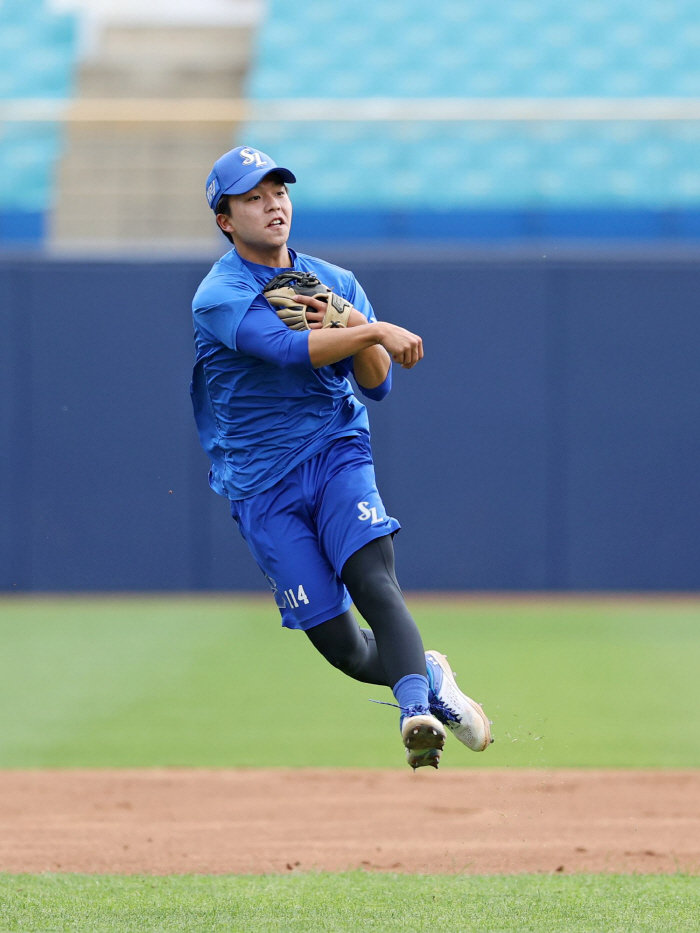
(225, 223)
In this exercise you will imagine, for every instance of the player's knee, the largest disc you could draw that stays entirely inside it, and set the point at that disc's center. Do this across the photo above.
(350, 662)
(378, 587)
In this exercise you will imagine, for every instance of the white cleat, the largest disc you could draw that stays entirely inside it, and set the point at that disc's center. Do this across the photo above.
(463, 716)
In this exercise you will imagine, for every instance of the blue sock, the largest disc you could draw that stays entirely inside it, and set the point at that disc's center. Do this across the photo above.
(411, 692)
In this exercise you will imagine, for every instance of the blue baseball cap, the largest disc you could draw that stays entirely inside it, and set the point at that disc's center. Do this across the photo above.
(240, 170)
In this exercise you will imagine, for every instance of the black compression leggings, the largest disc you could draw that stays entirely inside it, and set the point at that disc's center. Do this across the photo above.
(393, 647)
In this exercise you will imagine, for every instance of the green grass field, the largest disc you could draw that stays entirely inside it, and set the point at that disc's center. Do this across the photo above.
(352, 902)
(147, 682)
(143, 682)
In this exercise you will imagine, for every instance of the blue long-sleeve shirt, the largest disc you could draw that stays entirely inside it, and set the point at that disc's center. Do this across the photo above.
(262, 334)
(260, 406)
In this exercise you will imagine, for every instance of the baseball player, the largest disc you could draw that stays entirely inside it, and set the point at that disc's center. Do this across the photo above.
(278, 334)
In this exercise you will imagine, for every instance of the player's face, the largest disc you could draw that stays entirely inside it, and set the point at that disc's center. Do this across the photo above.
(261, 217)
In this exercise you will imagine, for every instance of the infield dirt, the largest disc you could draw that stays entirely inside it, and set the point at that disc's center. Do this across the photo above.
(258, 821)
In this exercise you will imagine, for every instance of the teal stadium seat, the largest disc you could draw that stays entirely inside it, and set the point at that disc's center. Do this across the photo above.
(37, 60)
(453, 48)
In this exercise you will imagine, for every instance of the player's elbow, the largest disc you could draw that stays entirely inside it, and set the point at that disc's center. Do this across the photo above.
(377, 393)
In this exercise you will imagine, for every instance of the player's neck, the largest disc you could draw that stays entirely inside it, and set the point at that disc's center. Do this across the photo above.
(276, 257)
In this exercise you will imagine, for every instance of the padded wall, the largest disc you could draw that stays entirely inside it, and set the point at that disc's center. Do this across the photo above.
(550, 438)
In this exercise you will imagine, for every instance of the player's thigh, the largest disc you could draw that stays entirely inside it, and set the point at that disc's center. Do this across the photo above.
(285, 545)
(351, 513)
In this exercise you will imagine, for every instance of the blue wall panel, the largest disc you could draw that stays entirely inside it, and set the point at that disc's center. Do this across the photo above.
(460, 448)
(633, 427)
(106, 394)
(549, 439)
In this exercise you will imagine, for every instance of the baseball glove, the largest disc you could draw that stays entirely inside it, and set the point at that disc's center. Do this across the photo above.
(281, 290)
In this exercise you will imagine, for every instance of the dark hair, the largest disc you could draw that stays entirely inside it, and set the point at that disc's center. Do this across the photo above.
(222, 207)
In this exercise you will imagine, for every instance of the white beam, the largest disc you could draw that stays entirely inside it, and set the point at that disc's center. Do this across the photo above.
(437, 110)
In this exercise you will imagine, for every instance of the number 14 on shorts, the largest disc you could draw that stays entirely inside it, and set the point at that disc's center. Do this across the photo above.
(293, 599)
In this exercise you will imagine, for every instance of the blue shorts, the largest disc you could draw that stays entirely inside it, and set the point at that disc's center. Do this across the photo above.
(303, 529)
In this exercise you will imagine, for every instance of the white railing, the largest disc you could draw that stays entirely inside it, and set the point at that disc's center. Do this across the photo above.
(378, 109)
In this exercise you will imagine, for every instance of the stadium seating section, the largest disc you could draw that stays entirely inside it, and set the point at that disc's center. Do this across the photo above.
(477, 48)
(507, 174)
(37, 55)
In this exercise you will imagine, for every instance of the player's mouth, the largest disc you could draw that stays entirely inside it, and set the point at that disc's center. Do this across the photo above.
(277, 222)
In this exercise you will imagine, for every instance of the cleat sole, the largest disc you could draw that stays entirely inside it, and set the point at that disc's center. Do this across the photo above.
(424, 738)
(428, 758)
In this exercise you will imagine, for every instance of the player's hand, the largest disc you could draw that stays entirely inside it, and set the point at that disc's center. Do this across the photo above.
(317, 310)
(403, 346)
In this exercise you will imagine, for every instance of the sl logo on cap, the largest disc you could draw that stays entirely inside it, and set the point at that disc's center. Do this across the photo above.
(251, 155)
(211, 191)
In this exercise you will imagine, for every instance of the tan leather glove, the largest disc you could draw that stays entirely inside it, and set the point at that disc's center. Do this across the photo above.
(281, 290)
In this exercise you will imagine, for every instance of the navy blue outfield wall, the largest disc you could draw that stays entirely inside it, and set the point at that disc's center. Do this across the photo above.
(549, 440)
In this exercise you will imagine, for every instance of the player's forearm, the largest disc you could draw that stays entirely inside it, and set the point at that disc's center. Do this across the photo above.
(332, 344)
(371, 366)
